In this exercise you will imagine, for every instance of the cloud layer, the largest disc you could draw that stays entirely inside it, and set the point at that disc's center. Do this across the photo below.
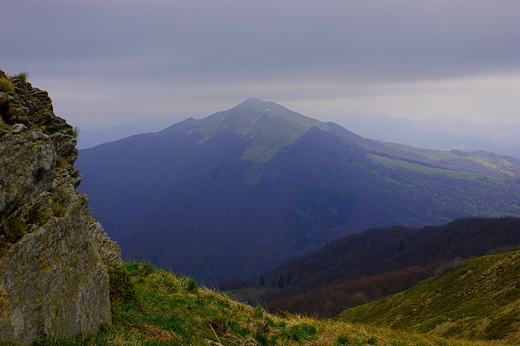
(109, 62)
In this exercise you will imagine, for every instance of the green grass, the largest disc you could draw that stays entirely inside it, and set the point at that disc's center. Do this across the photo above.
(424, 169)
(156, 307)
(479, 301)
(450, 160)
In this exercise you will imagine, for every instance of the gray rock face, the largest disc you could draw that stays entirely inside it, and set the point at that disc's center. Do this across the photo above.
(53, 254)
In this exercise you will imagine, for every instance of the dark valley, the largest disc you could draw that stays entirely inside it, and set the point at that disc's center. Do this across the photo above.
(372, 264)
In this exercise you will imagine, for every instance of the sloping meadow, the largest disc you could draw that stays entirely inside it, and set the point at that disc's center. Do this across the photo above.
(479, 301)
(156, 307)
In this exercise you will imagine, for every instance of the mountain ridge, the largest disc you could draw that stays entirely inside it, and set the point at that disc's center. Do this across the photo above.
(437, 133)
(267, 189)
(267, 126)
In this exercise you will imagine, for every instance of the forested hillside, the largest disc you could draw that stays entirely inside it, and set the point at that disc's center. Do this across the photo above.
(370, 265)
(241, 191)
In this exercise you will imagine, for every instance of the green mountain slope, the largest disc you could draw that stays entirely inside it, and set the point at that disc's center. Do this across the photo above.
(267, 127)
(480, 301)
(155, 307)
(245, 189)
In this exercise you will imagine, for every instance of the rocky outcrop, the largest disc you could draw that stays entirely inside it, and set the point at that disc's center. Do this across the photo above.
(53, 254)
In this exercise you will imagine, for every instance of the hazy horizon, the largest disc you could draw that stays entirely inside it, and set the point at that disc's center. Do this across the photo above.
(107, 64)
(433, 133)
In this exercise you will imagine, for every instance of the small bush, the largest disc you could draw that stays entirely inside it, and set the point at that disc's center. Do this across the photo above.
(191, 284)
(261, 339)
(121, 288)
(58, 209)
(6, 85)
(61, 163)
(499, 328)
(131, 267)
(341, 340)
(281, 325)
(259, 311)
(22, 77)
(75, 132)
(139, 269)
(270, 322)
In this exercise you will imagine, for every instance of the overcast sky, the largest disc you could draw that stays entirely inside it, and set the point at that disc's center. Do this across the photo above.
(110, 62)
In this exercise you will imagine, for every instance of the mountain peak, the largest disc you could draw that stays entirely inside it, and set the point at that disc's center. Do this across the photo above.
(254, 103)
(266, 125)
(252, 100)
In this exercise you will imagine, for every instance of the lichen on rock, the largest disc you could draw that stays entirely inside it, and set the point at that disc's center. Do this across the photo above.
(53, 255)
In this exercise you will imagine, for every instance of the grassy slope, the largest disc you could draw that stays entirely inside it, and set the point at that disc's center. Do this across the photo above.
(155, 307)
(478, 301)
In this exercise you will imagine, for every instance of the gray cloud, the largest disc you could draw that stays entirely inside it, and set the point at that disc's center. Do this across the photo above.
(203, 45)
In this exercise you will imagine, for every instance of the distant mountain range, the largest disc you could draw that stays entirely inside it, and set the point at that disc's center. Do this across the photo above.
(441, 133)
(243, 190)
